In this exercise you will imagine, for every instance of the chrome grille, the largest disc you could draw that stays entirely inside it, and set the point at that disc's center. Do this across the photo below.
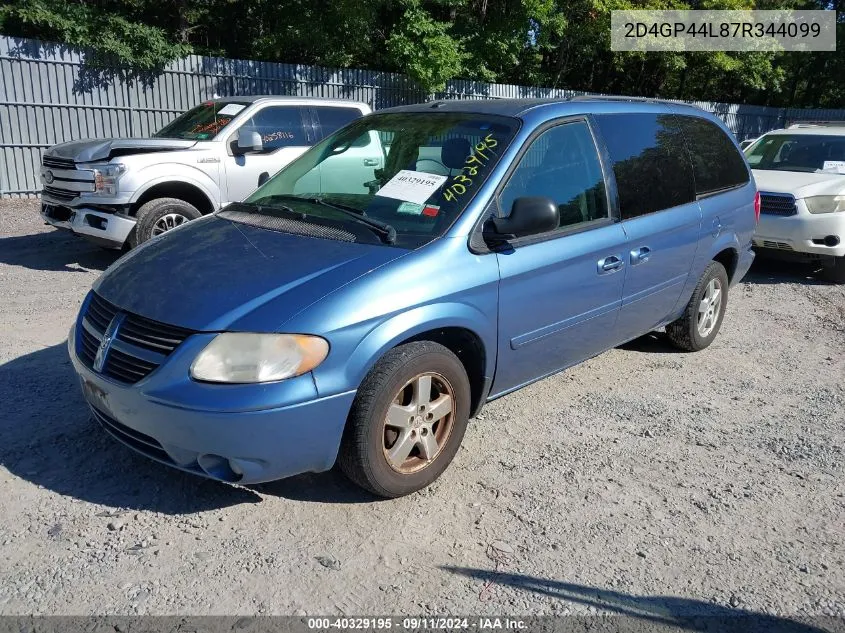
(58, 163)
(777, 204)
(60, 194)
(139, 344)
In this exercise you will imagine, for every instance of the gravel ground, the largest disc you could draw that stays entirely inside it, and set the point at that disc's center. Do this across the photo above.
(642, 480)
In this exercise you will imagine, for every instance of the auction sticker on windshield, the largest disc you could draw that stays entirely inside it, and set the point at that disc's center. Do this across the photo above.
(837, 165)
(412, 186)
(231, 109)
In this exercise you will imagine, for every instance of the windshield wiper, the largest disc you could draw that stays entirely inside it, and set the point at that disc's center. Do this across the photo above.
(384, 230)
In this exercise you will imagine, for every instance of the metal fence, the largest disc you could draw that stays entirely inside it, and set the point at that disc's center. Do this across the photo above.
(48, 95)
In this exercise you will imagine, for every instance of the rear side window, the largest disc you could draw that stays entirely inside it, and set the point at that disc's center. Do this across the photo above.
(279, 126)
(332, 118)
(650, 162)
(716, 162)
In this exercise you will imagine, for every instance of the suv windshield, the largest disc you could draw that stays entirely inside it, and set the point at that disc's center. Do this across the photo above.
(798, 152)
(202, 122)
(400, 178)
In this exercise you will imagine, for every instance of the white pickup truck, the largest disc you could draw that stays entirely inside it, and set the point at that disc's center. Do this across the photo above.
(118, 192)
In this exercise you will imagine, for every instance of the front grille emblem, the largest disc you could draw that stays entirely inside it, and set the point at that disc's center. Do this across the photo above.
(106, 342)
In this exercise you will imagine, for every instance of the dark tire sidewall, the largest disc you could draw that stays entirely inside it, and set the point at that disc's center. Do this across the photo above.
(382, 475)
(714, 270)
(154, 210)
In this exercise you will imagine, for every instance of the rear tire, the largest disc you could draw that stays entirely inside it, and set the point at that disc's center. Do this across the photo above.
(702, 317)
(836, 272)
(159, 216)
(407, 420)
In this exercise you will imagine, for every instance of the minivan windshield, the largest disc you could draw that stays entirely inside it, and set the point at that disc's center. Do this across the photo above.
(406, 175)
(798, 152)
(202, 122)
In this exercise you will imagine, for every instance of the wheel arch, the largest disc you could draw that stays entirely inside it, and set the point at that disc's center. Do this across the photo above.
(461, 328)
(191, 193)
(729, 258)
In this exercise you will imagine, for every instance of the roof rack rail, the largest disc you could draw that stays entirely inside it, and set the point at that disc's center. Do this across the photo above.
(796, 124)
(621, 98)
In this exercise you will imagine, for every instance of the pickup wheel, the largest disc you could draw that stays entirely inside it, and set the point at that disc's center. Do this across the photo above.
(836, 271)
(159, 216)
(407, 421)
(703, 315)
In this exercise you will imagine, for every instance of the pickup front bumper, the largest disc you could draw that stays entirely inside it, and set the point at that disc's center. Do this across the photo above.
(105, 229)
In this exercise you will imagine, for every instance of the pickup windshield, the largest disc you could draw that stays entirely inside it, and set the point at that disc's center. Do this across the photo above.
(202, 122)
(798, 152)
(412, 172)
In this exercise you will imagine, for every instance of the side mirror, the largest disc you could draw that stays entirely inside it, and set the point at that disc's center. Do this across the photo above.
(249, 141)
(263, 177)
(529, 216)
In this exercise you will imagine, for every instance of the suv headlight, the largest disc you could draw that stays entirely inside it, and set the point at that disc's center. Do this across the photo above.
(243, 357)
(106, 178)
(825, 204)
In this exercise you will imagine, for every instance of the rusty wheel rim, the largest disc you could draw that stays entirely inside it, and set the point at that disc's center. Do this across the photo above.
(418, 423)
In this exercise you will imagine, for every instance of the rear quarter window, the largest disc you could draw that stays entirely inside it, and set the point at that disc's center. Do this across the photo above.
(650, 162)
(717, 164)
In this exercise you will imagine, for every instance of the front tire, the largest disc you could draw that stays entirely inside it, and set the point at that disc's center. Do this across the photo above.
(159, 216)
(407, 421)
(702, 317)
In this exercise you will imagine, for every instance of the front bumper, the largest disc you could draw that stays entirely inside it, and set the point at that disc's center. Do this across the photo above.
(210, 430)
(105, 229)
(803, 232)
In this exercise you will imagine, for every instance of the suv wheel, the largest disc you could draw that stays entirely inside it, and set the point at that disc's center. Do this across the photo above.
(835, 272)
(159, 216)
(407, 421)
(703, 315)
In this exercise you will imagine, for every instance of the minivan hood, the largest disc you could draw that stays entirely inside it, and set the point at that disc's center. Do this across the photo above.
(88, 150)
(214, 275)
(799, 184)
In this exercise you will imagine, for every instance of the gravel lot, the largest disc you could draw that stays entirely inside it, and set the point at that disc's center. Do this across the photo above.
(642, 480)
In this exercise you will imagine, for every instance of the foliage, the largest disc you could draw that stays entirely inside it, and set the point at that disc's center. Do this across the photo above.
(554, 43)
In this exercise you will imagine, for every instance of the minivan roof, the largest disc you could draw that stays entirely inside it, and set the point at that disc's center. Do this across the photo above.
(518, 107)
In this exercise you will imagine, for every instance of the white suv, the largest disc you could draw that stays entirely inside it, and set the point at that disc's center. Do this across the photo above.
(119, 191)
(800, 173)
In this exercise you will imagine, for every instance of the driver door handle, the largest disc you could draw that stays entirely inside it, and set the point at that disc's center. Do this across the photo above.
(610, 264)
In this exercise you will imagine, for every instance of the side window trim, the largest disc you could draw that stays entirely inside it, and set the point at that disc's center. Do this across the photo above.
(572, 229)
(477, 244)
(304, 117)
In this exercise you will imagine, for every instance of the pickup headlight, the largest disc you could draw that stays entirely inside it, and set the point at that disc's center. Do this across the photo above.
(825, 204)
(243, 357)
(106, 178)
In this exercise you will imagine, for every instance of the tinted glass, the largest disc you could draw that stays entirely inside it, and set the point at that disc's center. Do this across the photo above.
(279, 126)
(202, 122)
(716, 162)
(419, 183)
(333, 118)
(650, 162)
(562, 164)
(798, 152)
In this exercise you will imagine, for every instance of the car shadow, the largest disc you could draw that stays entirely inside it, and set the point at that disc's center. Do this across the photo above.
(663, 613)
(770, 270)
(651, 343)
(55, 250)
(327, 487)
(49, 439)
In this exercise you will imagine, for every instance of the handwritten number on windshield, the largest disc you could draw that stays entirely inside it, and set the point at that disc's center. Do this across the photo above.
(481, 155)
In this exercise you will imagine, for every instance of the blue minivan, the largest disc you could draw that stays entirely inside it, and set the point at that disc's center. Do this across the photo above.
(329, 319)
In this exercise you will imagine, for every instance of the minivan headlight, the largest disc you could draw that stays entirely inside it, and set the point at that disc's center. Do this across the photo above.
(825, 204)
(244, 357)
